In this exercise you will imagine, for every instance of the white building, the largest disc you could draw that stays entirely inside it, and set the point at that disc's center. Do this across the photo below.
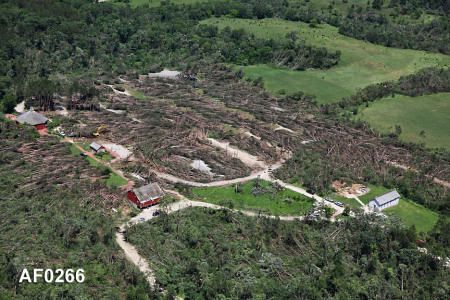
(385, 201)
(96, 148)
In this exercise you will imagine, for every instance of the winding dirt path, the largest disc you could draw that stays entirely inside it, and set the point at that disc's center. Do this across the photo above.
(131, 252)
(248, 159)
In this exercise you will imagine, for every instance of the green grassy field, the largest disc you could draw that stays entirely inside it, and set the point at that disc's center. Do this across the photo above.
(430, 113)
(272, 204)
(374, 192)
(361, 63)
(115, 180)
(413, 214)
(85, 145)
(75, 150)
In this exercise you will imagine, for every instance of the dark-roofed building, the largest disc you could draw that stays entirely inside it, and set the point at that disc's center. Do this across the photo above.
(96, 147)
(145, 196)
(33, 118)
(385, 201)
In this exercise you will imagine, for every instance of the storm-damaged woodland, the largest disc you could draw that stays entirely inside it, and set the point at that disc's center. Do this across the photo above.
(154, 86)
(169, 122)
(54, 211)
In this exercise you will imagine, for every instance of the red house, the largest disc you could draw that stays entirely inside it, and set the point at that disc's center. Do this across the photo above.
(33, 118)
(145, 196)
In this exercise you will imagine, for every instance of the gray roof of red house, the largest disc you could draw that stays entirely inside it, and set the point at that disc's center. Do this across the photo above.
(95, 146)
(31, 117)
(385, 198)
(148, 192)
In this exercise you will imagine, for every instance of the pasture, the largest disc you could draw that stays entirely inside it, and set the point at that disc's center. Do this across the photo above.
(285, 202)
(361, 63)
(424, 119)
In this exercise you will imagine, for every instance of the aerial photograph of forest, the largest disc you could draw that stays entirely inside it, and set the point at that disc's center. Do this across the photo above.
(225, 149)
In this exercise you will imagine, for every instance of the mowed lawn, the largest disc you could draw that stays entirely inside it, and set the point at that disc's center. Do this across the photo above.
(413, 214)
(115, 180)
(267, 203)
(361, 63)
(430, 113)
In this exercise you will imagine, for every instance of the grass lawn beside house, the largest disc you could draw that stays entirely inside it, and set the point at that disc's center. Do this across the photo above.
(268, 203)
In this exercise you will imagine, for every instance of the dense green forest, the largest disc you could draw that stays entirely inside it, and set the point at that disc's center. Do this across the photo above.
(217, 254)
(63, 38)
(58, 38)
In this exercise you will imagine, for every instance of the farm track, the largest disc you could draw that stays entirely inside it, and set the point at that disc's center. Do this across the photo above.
(131, 252)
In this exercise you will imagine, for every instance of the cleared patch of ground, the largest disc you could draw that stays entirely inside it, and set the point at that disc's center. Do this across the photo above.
(118, 149)
(166, 73)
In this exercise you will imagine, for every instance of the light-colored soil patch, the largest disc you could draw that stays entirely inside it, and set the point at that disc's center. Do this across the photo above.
(279, 127)
(136, 120)
(354, 190)
(119, 112)
(165, 74)
(137, 176)
(119, 92)
(118, 149)
(249, 134)
(61, 110)
(246, 158)
(203, 167)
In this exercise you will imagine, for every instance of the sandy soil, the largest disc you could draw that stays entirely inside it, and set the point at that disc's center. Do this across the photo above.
(279, 127)
(248, 159)
(202, 167)
(136, 120)
(118, 149)
(249, 134)
(165, 74)
(137, 176)
(119, 112)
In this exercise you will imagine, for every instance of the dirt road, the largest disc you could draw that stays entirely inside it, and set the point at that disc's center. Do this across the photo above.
(147, 214)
